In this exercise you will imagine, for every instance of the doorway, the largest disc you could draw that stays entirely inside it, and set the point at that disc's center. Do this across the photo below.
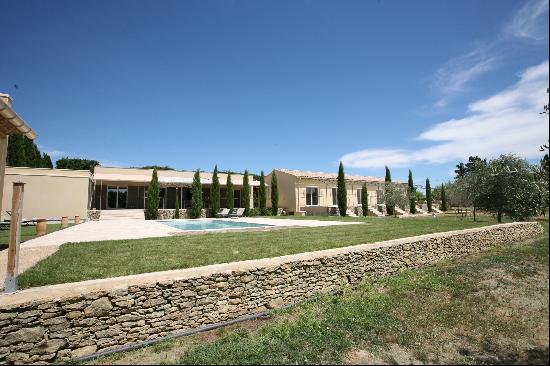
(117, 197)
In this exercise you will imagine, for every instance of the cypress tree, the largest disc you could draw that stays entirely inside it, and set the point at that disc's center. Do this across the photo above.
(230, 193)
(246, 194)
(263, 198)
(152, 212)
(443, 198)
(46, 161)
(274, 194)
(364, 199)
(215, 192)
(16, 151)
(428, 195)
(177, 211)
(412, 194)
(196, 198)
(342, 193)
(389, 208)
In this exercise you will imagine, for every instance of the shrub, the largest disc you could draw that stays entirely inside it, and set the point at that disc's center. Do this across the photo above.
(364, 199)
(152, 211)
(342, 193)
(412, 194)
(215, 191)
(230, 193)
(428, 195)
(196, 198)
(274, 194)
(263, 198)
(246, 194)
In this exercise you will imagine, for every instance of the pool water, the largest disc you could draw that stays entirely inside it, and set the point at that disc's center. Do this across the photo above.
(210, 224)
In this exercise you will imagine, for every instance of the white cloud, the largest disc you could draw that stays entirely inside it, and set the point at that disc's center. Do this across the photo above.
(53, 153)
(509, 121)
(530, 21)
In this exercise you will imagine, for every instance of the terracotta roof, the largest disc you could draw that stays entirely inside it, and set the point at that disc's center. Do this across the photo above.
(329, 176)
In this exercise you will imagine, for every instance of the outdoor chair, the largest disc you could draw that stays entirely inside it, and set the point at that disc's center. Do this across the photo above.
(237, 212)
(224, 212)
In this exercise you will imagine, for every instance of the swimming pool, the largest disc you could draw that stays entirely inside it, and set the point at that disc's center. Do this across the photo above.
(210, 224)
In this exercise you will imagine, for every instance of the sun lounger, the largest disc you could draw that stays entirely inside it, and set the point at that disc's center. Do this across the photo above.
(237, 212)
(224, 212)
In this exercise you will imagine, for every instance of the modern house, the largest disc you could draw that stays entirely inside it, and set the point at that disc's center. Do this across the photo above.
(122, 192)
(315, 193)
(126, 188)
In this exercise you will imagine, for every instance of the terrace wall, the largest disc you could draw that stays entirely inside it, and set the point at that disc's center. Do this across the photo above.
(72, 320)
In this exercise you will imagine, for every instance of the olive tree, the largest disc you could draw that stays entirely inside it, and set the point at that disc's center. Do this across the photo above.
(394, 196)
(510, 188)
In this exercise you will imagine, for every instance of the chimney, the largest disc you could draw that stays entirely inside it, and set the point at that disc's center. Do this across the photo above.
(6, 98)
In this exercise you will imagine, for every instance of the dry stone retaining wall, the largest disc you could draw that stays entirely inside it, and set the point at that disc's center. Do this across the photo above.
(72, 320)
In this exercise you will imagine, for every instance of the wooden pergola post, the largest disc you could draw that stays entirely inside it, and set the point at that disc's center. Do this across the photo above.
(15, 237)
(3, 156)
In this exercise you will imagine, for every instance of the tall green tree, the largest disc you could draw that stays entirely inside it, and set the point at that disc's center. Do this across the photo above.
(46, 161)
(412, 194)
(263, 197)
(365, 199)
(230, 193)
(389, 208)
(215, 192)
(22, 151)
(76, 164)
(246, 193)
(16, 151)
(152, 211)
(443, 198)
(429, 195)
(341, 191)
(274, 194)
(196, 196)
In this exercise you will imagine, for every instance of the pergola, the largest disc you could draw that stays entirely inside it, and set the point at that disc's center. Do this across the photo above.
(12, 124)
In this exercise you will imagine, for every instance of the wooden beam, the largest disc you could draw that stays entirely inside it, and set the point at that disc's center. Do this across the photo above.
(15, 237)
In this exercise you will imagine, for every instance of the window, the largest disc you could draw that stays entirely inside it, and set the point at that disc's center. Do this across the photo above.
(335, 196)
(359, 196)
(237, 198)
(312, 196)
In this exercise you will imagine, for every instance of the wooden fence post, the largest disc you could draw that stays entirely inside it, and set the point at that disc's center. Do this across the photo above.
(15, 237)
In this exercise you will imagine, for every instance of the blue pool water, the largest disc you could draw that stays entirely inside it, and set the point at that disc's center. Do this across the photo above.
(210, 224)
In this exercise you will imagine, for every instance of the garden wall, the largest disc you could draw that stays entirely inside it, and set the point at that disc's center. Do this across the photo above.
(72, 320)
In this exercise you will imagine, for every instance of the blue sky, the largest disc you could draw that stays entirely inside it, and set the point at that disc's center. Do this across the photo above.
(280, 84)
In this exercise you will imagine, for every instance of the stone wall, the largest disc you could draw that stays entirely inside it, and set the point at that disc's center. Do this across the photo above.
(72, 320)
(165, 214)
(93, 215)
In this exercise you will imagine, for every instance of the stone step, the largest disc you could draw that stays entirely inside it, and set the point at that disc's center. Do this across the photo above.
(374, 212)
(122, 214)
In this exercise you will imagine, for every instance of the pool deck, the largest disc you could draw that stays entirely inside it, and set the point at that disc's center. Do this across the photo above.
(35, 250)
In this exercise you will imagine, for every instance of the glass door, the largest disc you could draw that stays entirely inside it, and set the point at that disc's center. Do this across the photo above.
(117, 197)
(112, 197)
(122, 197)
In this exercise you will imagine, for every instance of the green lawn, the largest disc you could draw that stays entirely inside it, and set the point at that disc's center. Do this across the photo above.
(27, 233)
(489, 308)
(84, 261)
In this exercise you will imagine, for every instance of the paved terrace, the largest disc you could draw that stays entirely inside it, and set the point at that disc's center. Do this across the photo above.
(35, 250)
